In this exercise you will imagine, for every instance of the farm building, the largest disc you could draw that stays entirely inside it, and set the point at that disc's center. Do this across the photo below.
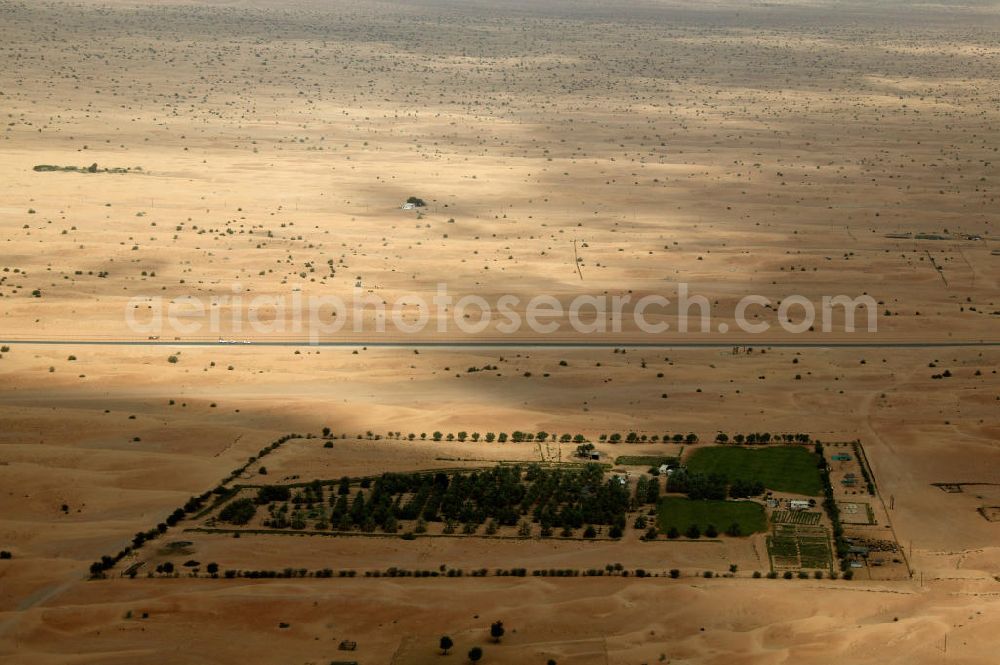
(798, 504)
(841, 457)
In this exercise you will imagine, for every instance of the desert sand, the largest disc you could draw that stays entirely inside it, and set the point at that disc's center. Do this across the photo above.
(265, 148)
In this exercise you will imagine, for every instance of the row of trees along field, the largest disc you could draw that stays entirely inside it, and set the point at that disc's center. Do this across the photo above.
(751, 438)
(762, 438)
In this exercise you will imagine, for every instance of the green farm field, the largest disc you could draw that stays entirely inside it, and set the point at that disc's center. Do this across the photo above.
(780, 468)
(681, 513)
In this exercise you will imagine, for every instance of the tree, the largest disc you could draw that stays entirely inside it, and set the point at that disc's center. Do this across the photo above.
(653, 490)
(212, 569)
(344, 487)
(240, 511)
(475, 654)
(445, 643)
(497, 630)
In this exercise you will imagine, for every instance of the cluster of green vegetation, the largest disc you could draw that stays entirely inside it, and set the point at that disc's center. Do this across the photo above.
(799, 546)
(240, 511)
(832, 511)
(647, 490)
(780, 468)
(48, 168)
(698, 516)
(814, 550)
(566, 498)
(714, 486)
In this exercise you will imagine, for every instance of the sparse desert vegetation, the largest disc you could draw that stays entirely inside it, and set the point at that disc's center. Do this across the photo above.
(191, 494)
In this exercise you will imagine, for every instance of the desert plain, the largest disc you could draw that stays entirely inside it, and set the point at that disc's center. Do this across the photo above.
(223, 149)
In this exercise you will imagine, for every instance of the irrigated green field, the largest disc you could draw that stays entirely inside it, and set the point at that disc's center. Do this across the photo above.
(779, 468)
(681, 513)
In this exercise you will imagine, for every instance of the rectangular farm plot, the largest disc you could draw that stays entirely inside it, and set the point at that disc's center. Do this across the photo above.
(681, 513)
(793, 469)
(498, 501)
(852, 512)
(799, 547)
(795, 517)
(646, 460)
